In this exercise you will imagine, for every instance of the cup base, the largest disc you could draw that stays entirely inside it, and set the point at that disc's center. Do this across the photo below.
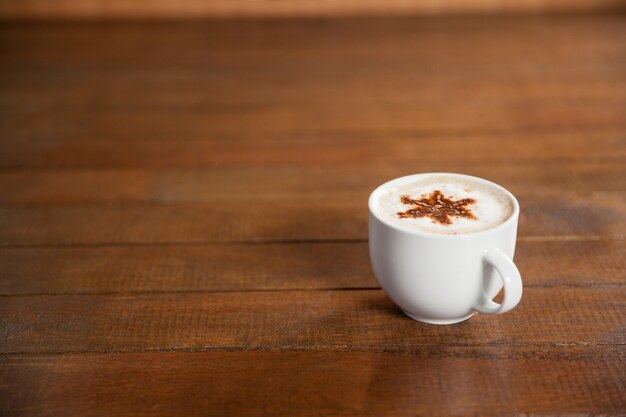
(437, 321)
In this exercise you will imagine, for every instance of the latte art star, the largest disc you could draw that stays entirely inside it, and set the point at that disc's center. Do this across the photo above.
(438, 207)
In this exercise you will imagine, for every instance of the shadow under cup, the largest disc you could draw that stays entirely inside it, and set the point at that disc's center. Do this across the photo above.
(445, 278)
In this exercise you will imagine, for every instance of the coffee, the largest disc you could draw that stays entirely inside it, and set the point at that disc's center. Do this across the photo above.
(443, 204)
(442, 246)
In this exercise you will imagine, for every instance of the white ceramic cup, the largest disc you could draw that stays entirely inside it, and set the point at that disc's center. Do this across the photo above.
(442, 278)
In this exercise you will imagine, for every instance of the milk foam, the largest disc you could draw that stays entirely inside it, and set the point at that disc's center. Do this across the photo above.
(490, 208)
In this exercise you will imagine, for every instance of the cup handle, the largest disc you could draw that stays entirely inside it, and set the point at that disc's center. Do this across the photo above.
(512, 283)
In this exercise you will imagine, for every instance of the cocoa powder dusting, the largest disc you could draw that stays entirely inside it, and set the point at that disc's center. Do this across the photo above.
(437, 207)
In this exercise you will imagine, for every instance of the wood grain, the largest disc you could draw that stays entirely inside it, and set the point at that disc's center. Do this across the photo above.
(520, 114)
(244, 267)
(169, 9)
(319, 320)
(197, 91)
(308, 384)
(454, 75)
(280, 219)
(338, 182)
(391, 150)
(588, 45)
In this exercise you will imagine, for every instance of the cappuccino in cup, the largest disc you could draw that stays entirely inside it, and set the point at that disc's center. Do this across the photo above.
(443, 204)
(442, 246)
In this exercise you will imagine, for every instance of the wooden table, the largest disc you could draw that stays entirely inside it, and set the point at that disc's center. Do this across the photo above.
(183, 214)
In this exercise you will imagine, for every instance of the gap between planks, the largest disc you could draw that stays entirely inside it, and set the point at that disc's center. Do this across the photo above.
(266, 290)
(398, 350)
(564, 238)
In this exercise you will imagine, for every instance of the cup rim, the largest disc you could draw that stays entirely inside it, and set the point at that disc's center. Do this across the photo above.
(400, 180)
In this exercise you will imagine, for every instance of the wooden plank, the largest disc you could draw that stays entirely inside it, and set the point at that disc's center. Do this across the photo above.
(347, 115)
(207, 88)
(337, 182)
(520, 114)
(244, 267)
(574, 41)
(307, 384)
(209, 85)
(364, 319)
(168, 9)
(152, 150)
(394, 151)
(273, 81)
(279, 219)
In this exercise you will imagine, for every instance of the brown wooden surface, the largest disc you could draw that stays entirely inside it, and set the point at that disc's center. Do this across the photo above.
(312, 383)
(217, 267)
(183, 214)
(296, 319)
(229, 8)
